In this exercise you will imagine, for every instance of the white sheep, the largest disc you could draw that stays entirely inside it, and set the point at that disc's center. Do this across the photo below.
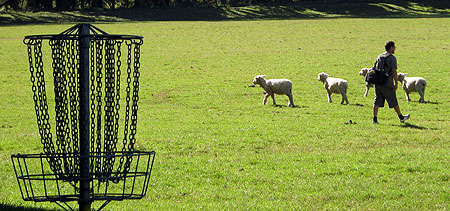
(413, 84)
(363, 73)
(275, 86)
(334, 85)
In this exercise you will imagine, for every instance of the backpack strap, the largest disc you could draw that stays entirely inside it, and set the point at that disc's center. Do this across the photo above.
(385, 64)
(375, 65)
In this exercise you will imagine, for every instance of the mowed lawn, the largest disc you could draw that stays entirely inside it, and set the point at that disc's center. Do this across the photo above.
(218, 148)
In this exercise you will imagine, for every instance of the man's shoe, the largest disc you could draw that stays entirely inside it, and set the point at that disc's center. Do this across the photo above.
(405, 117)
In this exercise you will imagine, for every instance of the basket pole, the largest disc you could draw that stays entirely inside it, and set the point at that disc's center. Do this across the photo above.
(84, 202)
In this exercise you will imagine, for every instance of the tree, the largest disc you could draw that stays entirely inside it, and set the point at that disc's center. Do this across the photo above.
(45, 4)
(97, 4)
(13, 4)
(139, 3)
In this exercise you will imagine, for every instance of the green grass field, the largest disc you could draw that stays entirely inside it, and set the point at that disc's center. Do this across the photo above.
(219, 148)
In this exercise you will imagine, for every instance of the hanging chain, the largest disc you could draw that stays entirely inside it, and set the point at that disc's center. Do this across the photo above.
(117, 104)
(59, 77)
(128, 98)
(92, 104)
(72, 137)
(127, 110)
(99, 76)
(75, 99)
(39, 65)
(73, 66)
(57, 88)
(105, 104)
(34, 48)
(31, 45)
(37, 95)
(134, 107)
(108, 160)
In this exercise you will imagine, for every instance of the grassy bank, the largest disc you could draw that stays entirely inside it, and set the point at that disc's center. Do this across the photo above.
(301, 10)
(219, 148)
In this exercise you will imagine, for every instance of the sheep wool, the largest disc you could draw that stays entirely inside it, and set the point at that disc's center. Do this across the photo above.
(275, 86)
(413, 84)
(334, 85)
(363, 73)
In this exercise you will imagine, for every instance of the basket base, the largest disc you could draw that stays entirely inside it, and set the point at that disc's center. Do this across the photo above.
(38, 183)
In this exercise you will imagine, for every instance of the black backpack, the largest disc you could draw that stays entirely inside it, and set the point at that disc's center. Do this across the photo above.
(378, 76)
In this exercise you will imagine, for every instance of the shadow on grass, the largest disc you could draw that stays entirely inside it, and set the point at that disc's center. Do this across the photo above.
(285, 106)
(357, 104)
(431, 102)
(409, 125)
(299, 10)
(7, 207)
(426, 102)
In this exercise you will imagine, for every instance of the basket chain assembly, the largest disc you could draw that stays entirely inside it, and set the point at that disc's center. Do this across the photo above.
(112, 116)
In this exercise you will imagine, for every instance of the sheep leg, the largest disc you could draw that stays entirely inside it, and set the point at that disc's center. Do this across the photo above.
(421, 91)
(344, 97)
(265, 98)
(406, 92)
(291, 99)
(329, 96)
(367, 91)
(343, 92)
(273, 98)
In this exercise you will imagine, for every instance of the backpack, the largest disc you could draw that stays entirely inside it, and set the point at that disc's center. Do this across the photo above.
(376, 75)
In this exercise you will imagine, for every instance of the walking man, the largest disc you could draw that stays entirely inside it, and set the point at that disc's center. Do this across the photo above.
(386, 92)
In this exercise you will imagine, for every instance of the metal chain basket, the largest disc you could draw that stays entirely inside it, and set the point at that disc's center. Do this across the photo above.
(90, 118)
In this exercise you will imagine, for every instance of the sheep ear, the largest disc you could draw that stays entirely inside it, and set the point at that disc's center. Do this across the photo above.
(264, 76)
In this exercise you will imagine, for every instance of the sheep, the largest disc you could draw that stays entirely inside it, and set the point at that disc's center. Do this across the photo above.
(363, 73)
(413, 84)
(275, 86)
(334, 85)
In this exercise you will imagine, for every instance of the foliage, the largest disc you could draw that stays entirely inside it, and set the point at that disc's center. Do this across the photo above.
(271, 12)
(64, 5)
(219, 148)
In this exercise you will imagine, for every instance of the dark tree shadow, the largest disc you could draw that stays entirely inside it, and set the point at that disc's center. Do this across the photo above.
(279, 10)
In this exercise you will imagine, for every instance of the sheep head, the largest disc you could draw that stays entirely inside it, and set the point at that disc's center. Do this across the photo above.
(401, 76)
(258, 79)
(322, 77)
(364, 71)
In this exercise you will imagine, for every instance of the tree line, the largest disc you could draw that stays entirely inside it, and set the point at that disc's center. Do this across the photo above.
(64, 5)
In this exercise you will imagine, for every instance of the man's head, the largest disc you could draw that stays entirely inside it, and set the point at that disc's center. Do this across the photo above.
(390, 47)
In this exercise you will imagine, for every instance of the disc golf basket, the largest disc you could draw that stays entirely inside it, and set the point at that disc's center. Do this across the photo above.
(87, 125)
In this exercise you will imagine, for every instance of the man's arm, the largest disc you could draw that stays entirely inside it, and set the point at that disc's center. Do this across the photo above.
(394, 76)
